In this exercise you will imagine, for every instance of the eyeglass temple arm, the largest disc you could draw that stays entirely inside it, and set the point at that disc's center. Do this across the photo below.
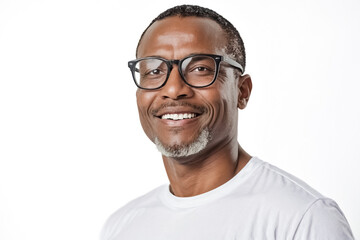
(233, 63)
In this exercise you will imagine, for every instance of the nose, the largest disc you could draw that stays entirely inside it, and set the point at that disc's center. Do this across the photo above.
(175, 87)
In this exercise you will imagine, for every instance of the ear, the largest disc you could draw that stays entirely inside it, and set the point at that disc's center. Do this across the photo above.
(244, 89)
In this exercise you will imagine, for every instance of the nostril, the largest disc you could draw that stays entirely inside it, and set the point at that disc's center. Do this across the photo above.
(182, 96)
(176, 88)
(176, 97)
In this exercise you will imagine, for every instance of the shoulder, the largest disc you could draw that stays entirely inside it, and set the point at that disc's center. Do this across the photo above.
(281, 185)
(123, 215)
(323, 220)
(310, 214)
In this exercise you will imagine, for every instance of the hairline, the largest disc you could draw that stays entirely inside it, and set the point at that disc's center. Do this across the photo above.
(181, 16)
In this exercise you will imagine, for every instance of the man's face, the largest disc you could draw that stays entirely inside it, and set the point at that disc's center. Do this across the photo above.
(212, 108)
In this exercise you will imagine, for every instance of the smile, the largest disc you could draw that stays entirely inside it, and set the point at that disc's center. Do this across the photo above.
(180, 116)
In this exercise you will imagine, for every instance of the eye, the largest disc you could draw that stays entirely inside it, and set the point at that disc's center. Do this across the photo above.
(200, 69)
(154, 72)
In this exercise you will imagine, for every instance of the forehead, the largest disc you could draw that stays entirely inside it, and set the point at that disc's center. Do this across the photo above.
(176, 37)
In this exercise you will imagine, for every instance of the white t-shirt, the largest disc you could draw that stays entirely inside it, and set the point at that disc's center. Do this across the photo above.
(260, 202)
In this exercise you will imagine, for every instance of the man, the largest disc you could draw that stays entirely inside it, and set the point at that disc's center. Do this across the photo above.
(189, 74)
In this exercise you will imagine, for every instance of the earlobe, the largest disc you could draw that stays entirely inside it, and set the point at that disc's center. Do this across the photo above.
(244, 89)
(242, 103)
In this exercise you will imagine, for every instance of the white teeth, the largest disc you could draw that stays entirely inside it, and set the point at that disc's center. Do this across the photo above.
(180, 116)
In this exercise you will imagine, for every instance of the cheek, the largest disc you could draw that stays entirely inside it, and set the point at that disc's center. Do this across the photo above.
(222, 102)
(144, 101)
(230, 103)
(215, 104)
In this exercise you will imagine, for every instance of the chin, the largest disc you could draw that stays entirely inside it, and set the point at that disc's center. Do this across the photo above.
(185, 150)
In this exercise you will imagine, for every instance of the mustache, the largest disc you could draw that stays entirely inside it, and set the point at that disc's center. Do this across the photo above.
(198, 108)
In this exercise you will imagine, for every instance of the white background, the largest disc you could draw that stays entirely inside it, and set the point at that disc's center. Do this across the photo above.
(71, 147)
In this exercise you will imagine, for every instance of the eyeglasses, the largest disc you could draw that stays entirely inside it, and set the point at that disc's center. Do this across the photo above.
(198, 70)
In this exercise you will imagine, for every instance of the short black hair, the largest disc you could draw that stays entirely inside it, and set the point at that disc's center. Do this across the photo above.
(235, 46)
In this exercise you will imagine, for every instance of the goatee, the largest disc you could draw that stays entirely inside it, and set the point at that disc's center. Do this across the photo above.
(185, 150)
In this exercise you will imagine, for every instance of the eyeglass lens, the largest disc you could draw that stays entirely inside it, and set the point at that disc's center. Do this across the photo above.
(197, 71)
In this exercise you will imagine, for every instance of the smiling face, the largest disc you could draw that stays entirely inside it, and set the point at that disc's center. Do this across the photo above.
(178, 116)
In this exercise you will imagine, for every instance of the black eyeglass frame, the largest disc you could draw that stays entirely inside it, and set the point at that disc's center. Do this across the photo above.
(217, 58)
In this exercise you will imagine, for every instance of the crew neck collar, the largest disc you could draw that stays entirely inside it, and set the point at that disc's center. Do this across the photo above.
(173, 201)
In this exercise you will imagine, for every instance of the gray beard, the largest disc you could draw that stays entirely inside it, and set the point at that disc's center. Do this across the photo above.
(177, 151)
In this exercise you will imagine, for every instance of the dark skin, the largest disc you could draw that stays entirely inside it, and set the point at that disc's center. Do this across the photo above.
(216, 106)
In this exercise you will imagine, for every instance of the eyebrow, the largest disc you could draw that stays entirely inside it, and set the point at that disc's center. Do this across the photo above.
(192, 53)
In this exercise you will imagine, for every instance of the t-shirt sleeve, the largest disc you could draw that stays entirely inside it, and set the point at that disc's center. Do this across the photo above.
(112, 225)
(323, 220)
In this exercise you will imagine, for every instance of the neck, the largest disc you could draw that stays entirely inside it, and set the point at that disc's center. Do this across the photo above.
(202, 173)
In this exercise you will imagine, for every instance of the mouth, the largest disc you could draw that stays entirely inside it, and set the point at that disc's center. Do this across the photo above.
(178, 113)
(178, 116)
